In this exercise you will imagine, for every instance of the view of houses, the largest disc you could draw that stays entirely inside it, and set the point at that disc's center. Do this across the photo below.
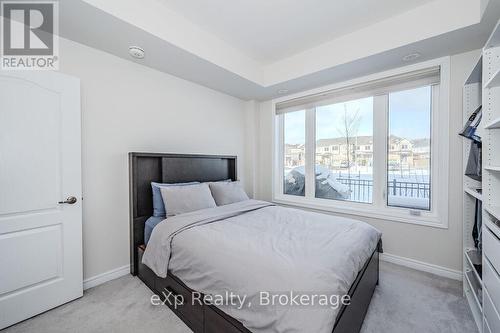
(404, 155)
(352, 161)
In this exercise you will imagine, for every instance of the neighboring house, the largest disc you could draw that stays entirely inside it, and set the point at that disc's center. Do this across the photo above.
(400, 153)
(294, 155)
(404, 154)
(333, 152)
(421, 153)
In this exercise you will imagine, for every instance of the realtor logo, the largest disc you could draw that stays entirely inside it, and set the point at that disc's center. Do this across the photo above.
(29, 35)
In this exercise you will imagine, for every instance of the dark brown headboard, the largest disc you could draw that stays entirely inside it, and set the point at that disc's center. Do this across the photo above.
(145, 168)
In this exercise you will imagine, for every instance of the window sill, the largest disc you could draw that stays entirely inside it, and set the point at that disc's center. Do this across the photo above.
(427, 221)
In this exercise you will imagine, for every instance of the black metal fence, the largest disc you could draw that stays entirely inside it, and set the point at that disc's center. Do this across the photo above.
(409, 189)
(362, 189)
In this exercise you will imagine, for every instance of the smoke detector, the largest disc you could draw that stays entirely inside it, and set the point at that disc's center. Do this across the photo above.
(411, 56)
(136, 52)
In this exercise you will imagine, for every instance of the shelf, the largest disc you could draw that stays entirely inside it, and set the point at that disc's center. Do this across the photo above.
(477, 312)
(476, 309)
(494, 81)
(494, 211)
(492, 168)
(495, 123)
(494, 227)
(494, 39)
(477, 72)
(473, 291)
(473, 192)
(475, 259)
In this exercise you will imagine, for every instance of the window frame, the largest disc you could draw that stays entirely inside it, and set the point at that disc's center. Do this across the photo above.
(436, 217)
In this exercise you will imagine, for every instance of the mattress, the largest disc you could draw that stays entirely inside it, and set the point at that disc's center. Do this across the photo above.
(245, 253)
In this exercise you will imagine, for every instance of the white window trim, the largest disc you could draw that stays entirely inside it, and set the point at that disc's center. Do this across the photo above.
(437, 217)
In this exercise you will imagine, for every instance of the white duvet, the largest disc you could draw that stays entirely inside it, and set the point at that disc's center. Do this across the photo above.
(249, 251)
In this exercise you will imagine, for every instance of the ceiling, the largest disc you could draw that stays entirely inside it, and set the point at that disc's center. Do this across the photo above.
(220, 52)
(270, 30)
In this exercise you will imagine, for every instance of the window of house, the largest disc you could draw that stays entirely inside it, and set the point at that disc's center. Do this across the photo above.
(389, 161)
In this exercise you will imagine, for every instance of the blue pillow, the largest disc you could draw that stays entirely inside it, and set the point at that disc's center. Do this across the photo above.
(151, 223)
(158, 205)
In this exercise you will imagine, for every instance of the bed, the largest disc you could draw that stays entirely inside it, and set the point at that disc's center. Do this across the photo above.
(179, 168)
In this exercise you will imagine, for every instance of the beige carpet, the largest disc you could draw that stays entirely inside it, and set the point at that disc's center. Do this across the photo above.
(405, 301)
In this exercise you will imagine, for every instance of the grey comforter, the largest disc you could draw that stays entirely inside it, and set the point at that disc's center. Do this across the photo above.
(245, 253)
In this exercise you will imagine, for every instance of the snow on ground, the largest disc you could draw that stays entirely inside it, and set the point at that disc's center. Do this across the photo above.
(363, 192)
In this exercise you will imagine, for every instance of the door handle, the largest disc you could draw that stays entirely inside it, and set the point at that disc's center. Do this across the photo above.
(69, 200)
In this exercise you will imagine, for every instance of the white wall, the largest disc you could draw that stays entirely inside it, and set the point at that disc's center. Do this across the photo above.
(441, 247)
(128, 107)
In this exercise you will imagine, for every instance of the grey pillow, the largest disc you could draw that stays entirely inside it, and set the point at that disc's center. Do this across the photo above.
(226, 193)
(187, 198)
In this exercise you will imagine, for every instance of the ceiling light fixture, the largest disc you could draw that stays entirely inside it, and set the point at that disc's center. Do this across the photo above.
(136, 52)
(411, 56)
(282, 91)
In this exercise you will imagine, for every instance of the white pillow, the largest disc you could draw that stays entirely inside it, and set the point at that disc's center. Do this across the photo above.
(226, 193)
(187, 198)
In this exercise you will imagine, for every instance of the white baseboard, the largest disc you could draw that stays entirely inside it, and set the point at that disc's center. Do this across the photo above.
(106, 276)
(422, 266)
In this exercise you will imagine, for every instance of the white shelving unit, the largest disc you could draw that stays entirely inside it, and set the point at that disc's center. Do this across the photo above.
(494, 211)
(474, 193)
(472, 282)
(494, 81)
(494, 124)
(482, 282)
(492, 168)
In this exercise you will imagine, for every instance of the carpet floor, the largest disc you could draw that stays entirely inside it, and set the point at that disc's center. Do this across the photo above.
(405, 301)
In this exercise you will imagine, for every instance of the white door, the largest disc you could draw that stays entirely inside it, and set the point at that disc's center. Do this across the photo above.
(40, 153)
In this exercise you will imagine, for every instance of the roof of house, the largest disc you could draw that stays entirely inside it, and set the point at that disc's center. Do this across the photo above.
(363, 140)
(418, 143)
(295, 145)
(359, 140)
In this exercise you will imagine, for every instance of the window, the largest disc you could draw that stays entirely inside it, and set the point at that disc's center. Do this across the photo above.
(347, 176)
(376, 148)
(294, 153)
(409, 170)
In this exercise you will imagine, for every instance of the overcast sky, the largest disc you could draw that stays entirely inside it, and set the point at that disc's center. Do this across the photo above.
(409, 117)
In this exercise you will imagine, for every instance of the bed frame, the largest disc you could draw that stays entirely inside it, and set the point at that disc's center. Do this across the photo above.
(176, 168)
